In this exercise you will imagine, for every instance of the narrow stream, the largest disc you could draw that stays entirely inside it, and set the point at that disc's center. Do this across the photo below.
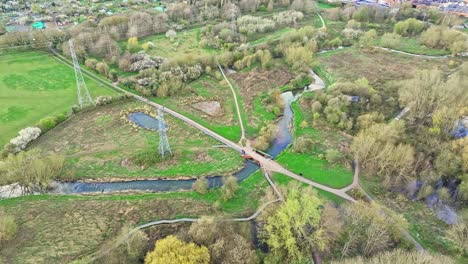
(281, 141)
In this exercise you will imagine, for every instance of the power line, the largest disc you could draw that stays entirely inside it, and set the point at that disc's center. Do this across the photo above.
(84, 98)
(164, 146)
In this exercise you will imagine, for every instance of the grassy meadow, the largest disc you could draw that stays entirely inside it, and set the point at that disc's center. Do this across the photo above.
(312, 167)
(186, 42)
(97, 144)
(33, 85)
(62, 228)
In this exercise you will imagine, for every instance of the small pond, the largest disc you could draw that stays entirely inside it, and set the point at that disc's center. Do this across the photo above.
(145, 121)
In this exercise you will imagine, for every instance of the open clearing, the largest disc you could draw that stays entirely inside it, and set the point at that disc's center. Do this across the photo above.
(413, 45)
(207, 89)
(98, 144)
(32, 86)
(186, 42)
(255, 85)
(377, 66)
(59, 229)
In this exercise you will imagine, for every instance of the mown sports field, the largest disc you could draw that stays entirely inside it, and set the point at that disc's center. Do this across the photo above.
(33, 85)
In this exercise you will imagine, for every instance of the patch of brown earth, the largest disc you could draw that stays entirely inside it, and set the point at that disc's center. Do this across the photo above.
(256, 82)
(211, 108)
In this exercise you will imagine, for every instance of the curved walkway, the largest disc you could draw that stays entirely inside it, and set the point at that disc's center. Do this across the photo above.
(239, 116)
(413, 54)
(324, 26)
(192, 220)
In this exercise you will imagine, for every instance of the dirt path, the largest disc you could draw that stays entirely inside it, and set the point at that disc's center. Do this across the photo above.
(239, 116)
(324, 26)
(414, 55)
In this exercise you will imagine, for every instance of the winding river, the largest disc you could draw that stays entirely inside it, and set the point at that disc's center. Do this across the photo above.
(281, 141)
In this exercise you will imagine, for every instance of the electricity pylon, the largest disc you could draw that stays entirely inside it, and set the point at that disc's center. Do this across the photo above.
(163, 141)
(84, 98)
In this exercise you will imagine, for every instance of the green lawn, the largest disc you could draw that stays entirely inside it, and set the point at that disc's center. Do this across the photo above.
(413, 45)
(33, 85)
(321, 5)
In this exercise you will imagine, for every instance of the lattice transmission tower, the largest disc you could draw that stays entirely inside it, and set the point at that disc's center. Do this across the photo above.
(164, 146)
(84, 98)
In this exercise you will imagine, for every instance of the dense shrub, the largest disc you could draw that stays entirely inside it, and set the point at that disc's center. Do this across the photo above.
(200, 185)
(288, 17)
(441, 37)
(250, 25)
(48, 123)
(25, 136)
(408, 27)
(390, 40)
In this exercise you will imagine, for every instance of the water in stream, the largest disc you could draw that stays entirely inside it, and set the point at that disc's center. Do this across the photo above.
(281, 141)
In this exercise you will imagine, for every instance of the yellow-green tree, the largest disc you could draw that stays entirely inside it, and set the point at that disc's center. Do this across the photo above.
(133, 45)
(293, 232)
(171, 250)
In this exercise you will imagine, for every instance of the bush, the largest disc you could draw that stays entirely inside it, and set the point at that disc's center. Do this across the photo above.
(441, 37)
(301, 80)
(25, 136)
(102, 68)
(230, 187)
(408, 27)
(200, 185)
(333, 156)
(48, 123)
(133, 45)
(303, 145)
(91, 64)
(289, 17)
(390, 40)
(250, 25)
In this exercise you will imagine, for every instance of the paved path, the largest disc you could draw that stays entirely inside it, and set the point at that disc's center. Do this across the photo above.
(239, 116)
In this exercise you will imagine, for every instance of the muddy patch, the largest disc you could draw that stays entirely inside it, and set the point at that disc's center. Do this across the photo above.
(256, 82)
(211, 108)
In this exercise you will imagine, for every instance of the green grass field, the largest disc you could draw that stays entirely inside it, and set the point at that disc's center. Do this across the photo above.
(33, 85)
(97, 144)
(413, 45)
